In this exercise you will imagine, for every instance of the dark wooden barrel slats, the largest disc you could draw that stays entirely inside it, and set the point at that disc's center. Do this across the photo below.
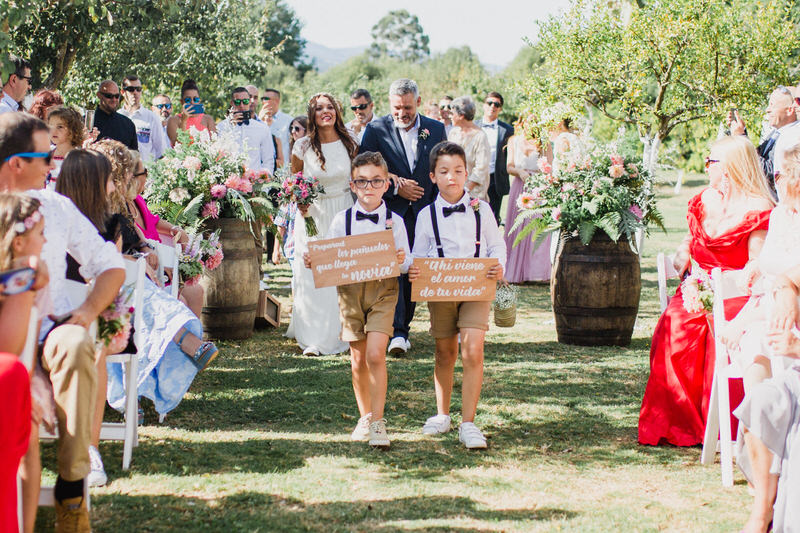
(595, 290)
(231, 291)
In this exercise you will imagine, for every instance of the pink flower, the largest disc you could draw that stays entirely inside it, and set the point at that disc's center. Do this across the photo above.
(567, 187)
(556, 213)
(634, 171)
(304, 195)
(218, 191)
(616, 171)
(475, 204)
(636, 210)
(192, 163)
(544, 166)
(232, 181)
(192, 281)
(211, 209)
(215, 260)
(244, 186)
(526, 201)
(616, 159)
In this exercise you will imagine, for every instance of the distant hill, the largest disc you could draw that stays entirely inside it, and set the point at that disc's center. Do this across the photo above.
(325, 58)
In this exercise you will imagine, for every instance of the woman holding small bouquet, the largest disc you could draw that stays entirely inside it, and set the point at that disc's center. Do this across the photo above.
(727, 226)
(325, 153)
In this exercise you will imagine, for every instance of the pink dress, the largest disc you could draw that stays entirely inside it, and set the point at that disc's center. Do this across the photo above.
(150, 229)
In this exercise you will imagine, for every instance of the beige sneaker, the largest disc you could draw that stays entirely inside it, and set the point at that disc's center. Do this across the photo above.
(377, 434)
(361, 432)
(72, 516)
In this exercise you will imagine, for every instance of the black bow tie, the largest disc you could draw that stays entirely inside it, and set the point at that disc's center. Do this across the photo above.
(244, 122)
(492, 125)
(364, 216)
(447, 211)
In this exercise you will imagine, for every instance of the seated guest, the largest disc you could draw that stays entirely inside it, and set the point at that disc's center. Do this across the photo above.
(473, 140)
(43, 102)
(66, 134)
(727, 225)
(67, 354)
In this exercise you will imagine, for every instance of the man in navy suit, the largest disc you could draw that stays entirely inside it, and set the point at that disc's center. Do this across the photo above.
(404, 138)
(498, 133)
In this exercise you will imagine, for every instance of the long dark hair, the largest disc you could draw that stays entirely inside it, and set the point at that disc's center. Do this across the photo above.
(349, 143)
(83, 178)
(303, 121)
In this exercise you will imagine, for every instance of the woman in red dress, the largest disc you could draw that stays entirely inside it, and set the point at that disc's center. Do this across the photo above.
(727, 225)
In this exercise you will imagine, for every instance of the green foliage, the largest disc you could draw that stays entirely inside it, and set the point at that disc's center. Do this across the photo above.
(399, 34)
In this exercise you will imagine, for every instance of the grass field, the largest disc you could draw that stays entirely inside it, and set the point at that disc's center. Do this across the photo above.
(261, 442)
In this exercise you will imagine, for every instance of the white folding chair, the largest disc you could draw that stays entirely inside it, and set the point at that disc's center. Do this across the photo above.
(168, 257)
(719, 409)
(666, 270)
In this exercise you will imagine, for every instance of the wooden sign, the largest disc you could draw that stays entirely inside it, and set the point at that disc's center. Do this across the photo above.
(353, 259)
(453, 280)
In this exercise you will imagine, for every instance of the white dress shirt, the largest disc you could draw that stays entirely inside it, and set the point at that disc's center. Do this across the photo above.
(457, 232)
(359, 227)
(280, 129)
(149, 133)
(491, 134)
(68, 230)
(410, 139)
(257, 139)
(788, 138)
(8, 104)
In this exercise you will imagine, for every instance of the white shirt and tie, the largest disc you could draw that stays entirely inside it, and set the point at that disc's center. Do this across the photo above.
(457, 231)
(257, 138)
(363, 221)
(410, 139)
(491, 132)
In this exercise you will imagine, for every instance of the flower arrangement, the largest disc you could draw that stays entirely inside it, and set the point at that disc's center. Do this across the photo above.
(697, 291)
(114, 323)
(604, 190)
(300, 189)
(205, 175)
(199, 254)
(505, 305)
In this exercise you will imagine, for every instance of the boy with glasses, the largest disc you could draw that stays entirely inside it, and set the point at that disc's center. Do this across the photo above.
(150, 133)
(361, 105)
(110, 123)
(17, 85)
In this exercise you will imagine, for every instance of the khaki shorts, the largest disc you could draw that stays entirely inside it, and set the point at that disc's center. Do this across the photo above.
(447, 318)
(367, 306)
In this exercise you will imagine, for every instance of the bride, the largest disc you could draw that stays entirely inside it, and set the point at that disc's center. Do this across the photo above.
(325, 152)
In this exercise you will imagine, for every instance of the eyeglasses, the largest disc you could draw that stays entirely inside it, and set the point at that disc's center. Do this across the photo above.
(26, 78)
(142, 173)
(359, 107)
(241, 101)
(111, 96)
(492, 103)
(376, 183)
(265, 98)
(710, 162)
(443, 107)
(47, 156)
(190, 100)
(132, 88)
(164, 106)
(297, 128)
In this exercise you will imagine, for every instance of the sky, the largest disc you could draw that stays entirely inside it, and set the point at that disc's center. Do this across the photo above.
(493, 29)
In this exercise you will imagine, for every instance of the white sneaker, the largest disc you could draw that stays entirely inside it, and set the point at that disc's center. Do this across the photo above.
(311, 350)
(97, 477)
(361, 432)
(471, 436)
(399, 346)
(377, 434)
(436, 425)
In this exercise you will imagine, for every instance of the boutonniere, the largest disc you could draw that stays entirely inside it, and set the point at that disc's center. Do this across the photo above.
(389, 222)
(424, 134)
(475, 204)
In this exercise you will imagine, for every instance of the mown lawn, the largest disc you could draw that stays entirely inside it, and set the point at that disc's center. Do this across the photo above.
(261, 442)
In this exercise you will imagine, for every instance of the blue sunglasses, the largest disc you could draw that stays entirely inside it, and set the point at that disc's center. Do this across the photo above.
(47, 156)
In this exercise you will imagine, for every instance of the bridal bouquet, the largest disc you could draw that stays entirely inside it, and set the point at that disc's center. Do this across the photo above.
(604, 190)
(114, 324)
(205, 175)
(302, 190)
(199, 254)
(697, 292)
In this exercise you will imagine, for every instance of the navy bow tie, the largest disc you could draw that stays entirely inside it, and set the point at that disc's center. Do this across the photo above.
(492, 125)
(364, 216)
(447, 211)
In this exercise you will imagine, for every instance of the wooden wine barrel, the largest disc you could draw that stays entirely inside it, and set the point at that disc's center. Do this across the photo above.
(231, 290)
(595, 290)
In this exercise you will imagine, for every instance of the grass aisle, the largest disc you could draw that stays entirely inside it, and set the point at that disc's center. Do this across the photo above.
(261, 442)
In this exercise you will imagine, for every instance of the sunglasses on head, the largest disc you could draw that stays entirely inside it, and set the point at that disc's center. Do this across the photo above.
(47, 156)
(492, 103)
(359, 107)
(241, 101)
(164, 106)
(190, 100)
(111, 96)
(132, 89)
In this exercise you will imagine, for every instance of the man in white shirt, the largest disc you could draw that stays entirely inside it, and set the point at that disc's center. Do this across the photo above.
(68, 351)
(446, 113)
(361, 105)
(277, 120)
(17, 85)
(253, 136)
(162, 107)
(149, 129)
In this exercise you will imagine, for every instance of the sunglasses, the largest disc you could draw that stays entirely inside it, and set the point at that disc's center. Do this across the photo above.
(241, 101)
(142, 173)
(445, 107)
(190, 100)
(297, 128)
(47, 156)
(359, 107)
(492, 103)
(26, 78)
(111, 96)
(710, 162)
(132, 89)
(376, 183)
(265, 98)
(164, 106)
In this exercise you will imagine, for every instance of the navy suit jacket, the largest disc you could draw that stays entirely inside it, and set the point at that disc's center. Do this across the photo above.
(504, 132)
(381, 136)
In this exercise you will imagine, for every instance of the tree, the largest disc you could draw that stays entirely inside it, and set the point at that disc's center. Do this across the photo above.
(280, 30)
(399, 34)
(663, 64)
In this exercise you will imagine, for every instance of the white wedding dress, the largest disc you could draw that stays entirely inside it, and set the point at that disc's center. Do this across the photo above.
(315, 312)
